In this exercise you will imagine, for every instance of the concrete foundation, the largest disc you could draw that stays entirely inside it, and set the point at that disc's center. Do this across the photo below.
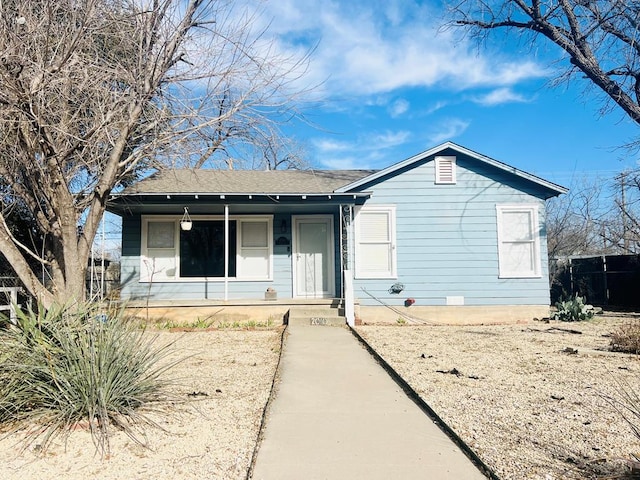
(452, 315)
(214, 315)
(274, 312)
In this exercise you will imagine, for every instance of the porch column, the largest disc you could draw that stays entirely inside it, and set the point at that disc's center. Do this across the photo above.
(346, 262)
(226, 252)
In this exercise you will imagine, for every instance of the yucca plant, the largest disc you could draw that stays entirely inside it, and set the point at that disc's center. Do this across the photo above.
(70, 365)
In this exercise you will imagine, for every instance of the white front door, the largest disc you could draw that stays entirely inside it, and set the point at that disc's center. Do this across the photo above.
(313, 259)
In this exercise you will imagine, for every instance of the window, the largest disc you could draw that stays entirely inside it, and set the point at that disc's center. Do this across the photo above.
(375, 242)
(169, 253)
(202, 249)
(518, 241)
(160, 261)
(445, 169)
(253, 258)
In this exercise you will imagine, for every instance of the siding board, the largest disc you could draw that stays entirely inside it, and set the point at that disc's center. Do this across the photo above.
(447, 238)
(446, 243)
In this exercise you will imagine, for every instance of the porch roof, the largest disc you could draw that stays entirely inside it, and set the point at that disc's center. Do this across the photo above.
(307, 187)
(212, 182)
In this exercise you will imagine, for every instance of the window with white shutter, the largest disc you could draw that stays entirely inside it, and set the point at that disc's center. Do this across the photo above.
(159, 251)
(171, 254)
(254, 252)
(375, 242)
(518, 241)
(445, 170)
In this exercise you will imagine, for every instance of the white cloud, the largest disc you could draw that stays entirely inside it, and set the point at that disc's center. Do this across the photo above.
(374, 141)
(364, 49)
(435, 107)
(387, 139)
(365, 152)
(499, 96)
(327, 145)
(344, 163)
(371, 159)
(398, 107)
(447, 130)
(376, 101)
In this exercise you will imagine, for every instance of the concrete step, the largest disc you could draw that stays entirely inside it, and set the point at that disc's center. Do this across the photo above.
(313, 315)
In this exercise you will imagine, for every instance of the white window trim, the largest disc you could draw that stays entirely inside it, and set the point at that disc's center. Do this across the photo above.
(529, 208)
(438, 166)
(391, 210)
(146, 276)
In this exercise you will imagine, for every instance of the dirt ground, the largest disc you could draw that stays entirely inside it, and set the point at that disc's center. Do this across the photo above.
(514, 393)
(223, 385)
(532, 400)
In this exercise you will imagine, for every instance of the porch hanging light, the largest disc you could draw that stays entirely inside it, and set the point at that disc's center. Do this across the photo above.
(186, 223)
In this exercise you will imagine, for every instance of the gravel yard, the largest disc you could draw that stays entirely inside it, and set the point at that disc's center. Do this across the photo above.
(225, 382)
(516, 395)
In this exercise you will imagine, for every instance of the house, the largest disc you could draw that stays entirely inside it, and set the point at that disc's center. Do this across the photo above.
(448, 235)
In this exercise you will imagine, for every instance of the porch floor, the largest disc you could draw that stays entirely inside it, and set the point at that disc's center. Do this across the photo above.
(332, 302)
(235, 311)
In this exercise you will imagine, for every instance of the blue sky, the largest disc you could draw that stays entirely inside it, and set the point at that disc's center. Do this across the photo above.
(392, 83)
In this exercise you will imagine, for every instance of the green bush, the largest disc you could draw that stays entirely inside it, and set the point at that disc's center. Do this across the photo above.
(64, 366)
(574, 310)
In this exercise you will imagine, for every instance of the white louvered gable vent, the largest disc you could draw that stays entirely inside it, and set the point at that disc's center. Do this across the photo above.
(445, 169)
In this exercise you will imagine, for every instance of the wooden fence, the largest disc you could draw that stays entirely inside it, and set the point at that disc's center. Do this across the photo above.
(605, 280)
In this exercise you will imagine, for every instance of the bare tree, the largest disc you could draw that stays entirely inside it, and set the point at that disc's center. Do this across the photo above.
(625, 218)
(96, 92)
(601, 39)
(577, 222)
(596, 217)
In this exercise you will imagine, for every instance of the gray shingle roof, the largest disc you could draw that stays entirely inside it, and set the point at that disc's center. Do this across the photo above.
(246, 181)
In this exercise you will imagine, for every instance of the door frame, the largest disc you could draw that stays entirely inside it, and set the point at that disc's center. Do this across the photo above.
(296, 220)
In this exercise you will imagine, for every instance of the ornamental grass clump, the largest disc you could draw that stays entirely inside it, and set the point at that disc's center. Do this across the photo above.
(626, 338)
(65, 367)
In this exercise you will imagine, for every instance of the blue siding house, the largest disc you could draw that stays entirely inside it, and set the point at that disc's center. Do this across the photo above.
(448, 235)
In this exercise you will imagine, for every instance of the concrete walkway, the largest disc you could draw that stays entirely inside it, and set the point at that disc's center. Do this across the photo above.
(338, 415)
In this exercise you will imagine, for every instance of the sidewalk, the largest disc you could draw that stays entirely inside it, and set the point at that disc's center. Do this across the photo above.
(338, 415)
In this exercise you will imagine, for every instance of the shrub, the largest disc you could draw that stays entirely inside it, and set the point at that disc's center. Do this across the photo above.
(627, 403)
(626, 338)
(574, 310)
(64, 366)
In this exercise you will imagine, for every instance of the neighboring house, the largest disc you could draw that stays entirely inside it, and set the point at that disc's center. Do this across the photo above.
(446, 235)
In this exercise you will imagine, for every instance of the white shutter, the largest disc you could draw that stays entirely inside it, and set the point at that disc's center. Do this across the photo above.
(375, 242)
(518, 241)
(254, 254)
(158, 259)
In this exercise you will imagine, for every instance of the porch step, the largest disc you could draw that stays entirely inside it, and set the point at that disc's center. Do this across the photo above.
(316, 315)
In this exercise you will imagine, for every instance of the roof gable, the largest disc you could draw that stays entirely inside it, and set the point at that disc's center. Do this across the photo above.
(551, 188)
